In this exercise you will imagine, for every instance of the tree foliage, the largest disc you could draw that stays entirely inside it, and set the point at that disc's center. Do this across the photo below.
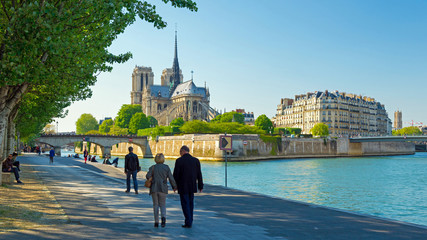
(408, 131)
(177, 122)
(153, 121)
(116, 130)
(285, 131)
(264, 123)
(230, 117)
(49, 129)
(138, 121)
(106, 126)
(85, 123)
(125, 113)
(56, 49)
(197, 126)
(320, 129)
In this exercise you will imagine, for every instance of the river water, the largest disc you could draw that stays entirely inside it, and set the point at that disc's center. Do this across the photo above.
(392, 186)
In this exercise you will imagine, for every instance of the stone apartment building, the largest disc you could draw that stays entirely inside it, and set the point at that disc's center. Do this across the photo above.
(345, 114)
(173, 98)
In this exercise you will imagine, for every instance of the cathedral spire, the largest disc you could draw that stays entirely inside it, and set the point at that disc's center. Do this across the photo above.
(176, 78)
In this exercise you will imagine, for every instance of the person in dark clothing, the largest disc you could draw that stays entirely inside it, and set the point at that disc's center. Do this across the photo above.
(93, 159)
(7, 166)
(131, 168)
(115, 162)
(51, 155)
(14, 162)
(85, 153)
(188, 177)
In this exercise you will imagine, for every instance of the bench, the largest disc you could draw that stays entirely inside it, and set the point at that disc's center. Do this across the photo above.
(6, 178)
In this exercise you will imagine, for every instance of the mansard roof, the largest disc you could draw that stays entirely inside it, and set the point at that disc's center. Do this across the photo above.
(189, 87)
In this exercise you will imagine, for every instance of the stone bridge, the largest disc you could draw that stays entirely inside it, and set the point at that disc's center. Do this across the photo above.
(420, 138)
(105, 142)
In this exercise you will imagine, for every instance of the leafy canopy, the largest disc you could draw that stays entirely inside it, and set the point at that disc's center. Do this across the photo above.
(230, 117)
(177, 122)
(85, 123)
(51, 52)
(106, 126)
(264, 123)
(320, 129)
(412, 130)
(153, 121)
(138, 121)
(125, 113)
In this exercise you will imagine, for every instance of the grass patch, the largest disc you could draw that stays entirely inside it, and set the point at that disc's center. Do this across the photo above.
(28, 206)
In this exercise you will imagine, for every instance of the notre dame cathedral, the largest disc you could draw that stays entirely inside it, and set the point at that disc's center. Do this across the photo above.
(172, 99)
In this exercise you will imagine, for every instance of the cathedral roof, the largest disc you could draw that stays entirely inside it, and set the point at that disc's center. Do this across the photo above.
(189, 87)
(159, 91)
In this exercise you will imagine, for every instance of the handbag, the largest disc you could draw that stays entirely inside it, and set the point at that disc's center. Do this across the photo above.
(149, 181)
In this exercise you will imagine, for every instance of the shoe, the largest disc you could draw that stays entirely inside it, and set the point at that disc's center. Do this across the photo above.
(156, 224)
(186, 226)
(163, 221)
(136, 192)
(18, 181)
(127, 191)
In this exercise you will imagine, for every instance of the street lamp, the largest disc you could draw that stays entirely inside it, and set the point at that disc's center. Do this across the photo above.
(57, 127)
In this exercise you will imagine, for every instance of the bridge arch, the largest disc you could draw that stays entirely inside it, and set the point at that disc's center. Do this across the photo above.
(105, 142)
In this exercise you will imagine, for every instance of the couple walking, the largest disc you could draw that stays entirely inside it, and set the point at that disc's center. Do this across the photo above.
(186, 178)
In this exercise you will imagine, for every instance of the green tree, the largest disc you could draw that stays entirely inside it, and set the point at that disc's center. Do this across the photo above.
(230, 117)
(93, 132)
(320, 129)
(85, 123)
(116, 130)
(264, 123)
(408, 131)
(49, 129)
(59, 47)
(125, 114)
(106, 126)
(195, 126)
(138, 121)
(177, 122)
(153, 122)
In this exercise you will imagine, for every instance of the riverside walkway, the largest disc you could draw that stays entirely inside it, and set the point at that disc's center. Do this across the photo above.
(92, 195)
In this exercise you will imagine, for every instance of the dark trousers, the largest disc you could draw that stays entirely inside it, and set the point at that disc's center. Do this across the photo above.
(15, 171)
(135, 182)
(187, 205)
(16, 164)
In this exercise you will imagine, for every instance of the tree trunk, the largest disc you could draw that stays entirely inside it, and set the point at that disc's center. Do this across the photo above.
(11, 131)
(10, 96)
(18, 142)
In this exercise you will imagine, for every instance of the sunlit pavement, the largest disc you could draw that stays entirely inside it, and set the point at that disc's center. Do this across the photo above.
(93, 197)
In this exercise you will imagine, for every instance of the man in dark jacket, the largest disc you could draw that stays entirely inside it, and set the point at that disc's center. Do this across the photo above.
(131, 168)
(7, 166)
(188, 177)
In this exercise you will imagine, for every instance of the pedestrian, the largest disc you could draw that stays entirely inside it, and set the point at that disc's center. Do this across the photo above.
(14, 162)
(160, 173)
(7, 166)
(85, 154)
(131, 168)
(188, 177)
(51, 155)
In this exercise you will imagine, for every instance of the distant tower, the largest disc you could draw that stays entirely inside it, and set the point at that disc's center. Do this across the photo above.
(397, 120)
(176, 77)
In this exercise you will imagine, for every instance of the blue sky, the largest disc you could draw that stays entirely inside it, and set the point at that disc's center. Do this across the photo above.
(253, 53)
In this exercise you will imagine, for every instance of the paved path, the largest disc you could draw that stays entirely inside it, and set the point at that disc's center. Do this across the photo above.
(93, 197)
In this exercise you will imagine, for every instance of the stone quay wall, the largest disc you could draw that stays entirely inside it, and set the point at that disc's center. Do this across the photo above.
(249, 147)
